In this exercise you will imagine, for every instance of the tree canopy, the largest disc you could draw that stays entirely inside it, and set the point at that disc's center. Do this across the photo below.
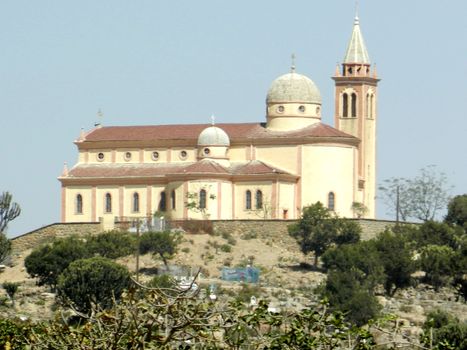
(421, 197)
(318, 229)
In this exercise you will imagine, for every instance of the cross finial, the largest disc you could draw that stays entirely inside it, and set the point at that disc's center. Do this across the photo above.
(292, 67)
(100, 116)
(213, 120)
(356, 11)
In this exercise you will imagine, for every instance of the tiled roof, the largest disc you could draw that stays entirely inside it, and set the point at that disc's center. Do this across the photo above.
(237, 131)
(254, 167)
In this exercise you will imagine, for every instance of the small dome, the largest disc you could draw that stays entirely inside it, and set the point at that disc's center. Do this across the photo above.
(213, 136)
(293, 87)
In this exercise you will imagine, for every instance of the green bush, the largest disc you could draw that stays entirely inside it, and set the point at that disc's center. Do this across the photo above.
(226, 248)
(249, 235)
(348, 292)
(49, 261)
(11, 288)
(438, 263)
(92, 281)
(444, 331)
(112, 244)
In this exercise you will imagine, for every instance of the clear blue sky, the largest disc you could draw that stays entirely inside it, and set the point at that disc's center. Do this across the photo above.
(164, 62)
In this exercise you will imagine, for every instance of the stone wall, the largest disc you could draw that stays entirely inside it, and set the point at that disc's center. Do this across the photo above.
(50, 232)
(260, 228)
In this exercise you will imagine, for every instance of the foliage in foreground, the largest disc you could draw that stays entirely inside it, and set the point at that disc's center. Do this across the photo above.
(9, 210)
(161, 321)
(441, 331)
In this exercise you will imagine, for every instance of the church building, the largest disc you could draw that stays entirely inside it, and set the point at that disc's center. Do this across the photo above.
(267, 169)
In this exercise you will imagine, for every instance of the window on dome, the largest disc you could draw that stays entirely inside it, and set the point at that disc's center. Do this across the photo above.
(79, 204)
(331, 201)
(155, 155)
(100, 156)
(248, 200)
(354, 105)
(207, 151)
(135, 202)
(280, 109)
(202, 199)
(183, 155)
(127, 156)
(163, 202)
(301, 108)
(108, 203)
(259, 199)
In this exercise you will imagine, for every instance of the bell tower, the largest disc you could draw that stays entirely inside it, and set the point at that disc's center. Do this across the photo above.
(356, 93)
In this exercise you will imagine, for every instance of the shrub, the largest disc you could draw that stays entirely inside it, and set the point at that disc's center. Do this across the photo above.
(49, 261)
(438, 263)
(348, 292)
(112, 244)
(249, 235)
(162, 281)
(444, 331)
(226, 248)
(11, 288)
(93, 281)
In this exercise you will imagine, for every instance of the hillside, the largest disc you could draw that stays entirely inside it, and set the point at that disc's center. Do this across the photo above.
(284, 281)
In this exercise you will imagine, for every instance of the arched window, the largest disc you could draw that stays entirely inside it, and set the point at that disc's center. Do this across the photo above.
(248, 199)
(345, 105)
(372, 105)
(108, 203)
(202, 199)
(354, 105)
(136, 202)
(163, 202)
(259, 199)
(369, 104)
(331, 201)
(172, 199)
(79, 204)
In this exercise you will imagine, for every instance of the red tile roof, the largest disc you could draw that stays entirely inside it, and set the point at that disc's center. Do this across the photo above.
(236, 131)
(254, 167)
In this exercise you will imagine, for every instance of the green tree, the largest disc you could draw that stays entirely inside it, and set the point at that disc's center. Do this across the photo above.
(318, 229)
(9, 210)
(362, 257)
(112, 244)
(397, 260)
(164, 244)
(457, 211)
(348, 291)
(97, 281)
(435, 233)
(438, 263)
(49, 261)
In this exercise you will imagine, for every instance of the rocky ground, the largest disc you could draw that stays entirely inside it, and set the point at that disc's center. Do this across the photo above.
(283, 280)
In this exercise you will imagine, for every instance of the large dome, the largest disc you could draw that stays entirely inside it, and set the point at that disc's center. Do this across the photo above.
(213, 136)
(293, 87)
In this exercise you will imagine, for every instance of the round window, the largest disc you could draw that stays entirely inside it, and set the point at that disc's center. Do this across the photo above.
(280, 109)
(183, 154)
(301, 108)
(155, 155)
(100, 156)
(317, 110)
(127, 155)
(206, 151)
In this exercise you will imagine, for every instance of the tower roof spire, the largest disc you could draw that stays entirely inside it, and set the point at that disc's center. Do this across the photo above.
(356, 51)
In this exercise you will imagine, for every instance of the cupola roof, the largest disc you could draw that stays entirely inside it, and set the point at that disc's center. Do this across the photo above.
(293, 87)
(213, 136)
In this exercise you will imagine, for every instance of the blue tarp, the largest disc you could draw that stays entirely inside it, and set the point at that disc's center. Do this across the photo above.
(240, 274)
